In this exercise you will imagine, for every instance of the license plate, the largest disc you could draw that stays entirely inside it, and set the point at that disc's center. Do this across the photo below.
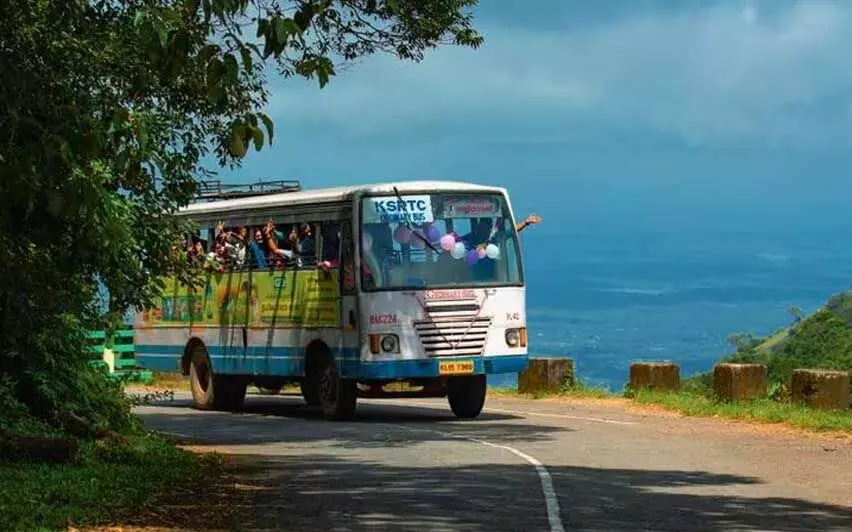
(455, 367)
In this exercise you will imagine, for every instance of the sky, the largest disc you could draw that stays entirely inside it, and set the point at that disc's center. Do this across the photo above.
(636, 117)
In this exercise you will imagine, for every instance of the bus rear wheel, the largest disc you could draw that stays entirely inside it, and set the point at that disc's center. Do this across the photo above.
(337, 396)
(210, 391)
(466, 395)
(310, 390)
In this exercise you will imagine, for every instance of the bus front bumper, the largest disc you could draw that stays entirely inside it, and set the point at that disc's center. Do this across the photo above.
(433, 367)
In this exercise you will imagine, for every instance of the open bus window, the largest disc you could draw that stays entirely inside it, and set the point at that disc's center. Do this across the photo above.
(438, 240)
(330, 253)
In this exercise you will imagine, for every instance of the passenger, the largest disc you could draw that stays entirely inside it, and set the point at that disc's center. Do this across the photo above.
(257, 249)
(306, 241)
(271, 237)
(529, 220)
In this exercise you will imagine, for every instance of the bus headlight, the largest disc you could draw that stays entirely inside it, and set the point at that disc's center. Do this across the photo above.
(516, 337)
(390, 344)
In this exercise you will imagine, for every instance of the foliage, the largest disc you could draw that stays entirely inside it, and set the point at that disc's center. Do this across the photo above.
(110, 479)
(700, 384)
(107, 110)
(820, 341)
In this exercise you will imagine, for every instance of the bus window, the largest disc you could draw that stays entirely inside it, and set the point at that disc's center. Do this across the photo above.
(330, 252)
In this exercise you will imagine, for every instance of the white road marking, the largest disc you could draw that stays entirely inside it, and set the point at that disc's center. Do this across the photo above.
(538, 414)
(551, 502)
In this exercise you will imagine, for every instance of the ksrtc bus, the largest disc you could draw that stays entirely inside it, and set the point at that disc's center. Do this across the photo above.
(349, 292)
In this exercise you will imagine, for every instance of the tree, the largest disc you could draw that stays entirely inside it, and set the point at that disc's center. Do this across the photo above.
(107, 109)
(796, 313)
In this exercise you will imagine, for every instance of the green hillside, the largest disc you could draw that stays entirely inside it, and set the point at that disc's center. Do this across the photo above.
(822, 340)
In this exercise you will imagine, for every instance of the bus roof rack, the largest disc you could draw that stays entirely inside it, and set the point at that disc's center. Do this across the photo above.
(215, 190)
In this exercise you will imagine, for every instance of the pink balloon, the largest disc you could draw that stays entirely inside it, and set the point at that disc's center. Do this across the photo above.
(448, 242)
(481, 253)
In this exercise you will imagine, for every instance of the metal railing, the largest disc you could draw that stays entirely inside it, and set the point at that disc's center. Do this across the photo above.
(216, 190)
(117, 352)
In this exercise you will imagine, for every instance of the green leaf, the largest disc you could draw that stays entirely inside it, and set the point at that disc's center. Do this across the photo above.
(232, 69)
(208, 51)
(257, 135)
(269, 125)
(248, 64)
(216, 94)
(262, 27)
(324, 69)
(215, 69)
(237, 147)
(138, 18)
(162, 33)
(284, 29)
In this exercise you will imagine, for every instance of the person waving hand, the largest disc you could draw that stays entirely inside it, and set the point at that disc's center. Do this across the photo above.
(530, 220)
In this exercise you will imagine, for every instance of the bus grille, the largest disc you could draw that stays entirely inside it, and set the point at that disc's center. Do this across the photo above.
(453, 335)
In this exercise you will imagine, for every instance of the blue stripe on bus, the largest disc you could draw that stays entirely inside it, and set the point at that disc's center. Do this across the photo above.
(289, 361)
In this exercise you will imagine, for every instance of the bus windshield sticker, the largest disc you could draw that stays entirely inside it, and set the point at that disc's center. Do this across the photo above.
(470, 207)
(413, 209)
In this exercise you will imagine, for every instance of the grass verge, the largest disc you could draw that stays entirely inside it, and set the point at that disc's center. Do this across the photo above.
(695, 401)
(758, 410)
(579, 391)
(107, 484)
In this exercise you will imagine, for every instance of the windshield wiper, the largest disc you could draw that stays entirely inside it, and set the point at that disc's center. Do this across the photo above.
(407, 224)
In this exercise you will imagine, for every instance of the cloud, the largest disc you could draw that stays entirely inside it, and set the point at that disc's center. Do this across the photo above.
(725, 74)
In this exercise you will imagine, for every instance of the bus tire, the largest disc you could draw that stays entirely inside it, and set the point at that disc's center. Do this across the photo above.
(201, 381)
(338, 397)
(213, 392)
(467, 395)
(235, 393)
(310, 389)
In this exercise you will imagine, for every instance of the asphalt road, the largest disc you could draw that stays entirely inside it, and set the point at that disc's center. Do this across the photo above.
(523, 465)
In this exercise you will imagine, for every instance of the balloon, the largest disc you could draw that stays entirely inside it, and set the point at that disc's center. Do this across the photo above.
(448, 243)
(492, 251)
(366, 240)
(431, 232)
(458, 251)
(472, 257)
(402, 234)
(480, 251)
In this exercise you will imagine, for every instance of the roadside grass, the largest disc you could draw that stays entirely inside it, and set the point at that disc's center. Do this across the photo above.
(695, 398)
(172, 381)
(108, 482)
(579, 390)
(178, 382)
(758, 410)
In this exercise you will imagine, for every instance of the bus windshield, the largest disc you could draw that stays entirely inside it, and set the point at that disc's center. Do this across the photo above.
(441, 240)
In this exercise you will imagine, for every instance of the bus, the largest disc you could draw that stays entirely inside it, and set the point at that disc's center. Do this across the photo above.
(408, 289)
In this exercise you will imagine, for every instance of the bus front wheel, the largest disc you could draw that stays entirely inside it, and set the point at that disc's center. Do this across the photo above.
(466, 395)
(337, 396)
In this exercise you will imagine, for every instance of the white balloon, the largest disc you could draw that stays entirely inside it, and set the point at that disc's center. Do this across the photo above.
(458, 251)
(492, 251)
